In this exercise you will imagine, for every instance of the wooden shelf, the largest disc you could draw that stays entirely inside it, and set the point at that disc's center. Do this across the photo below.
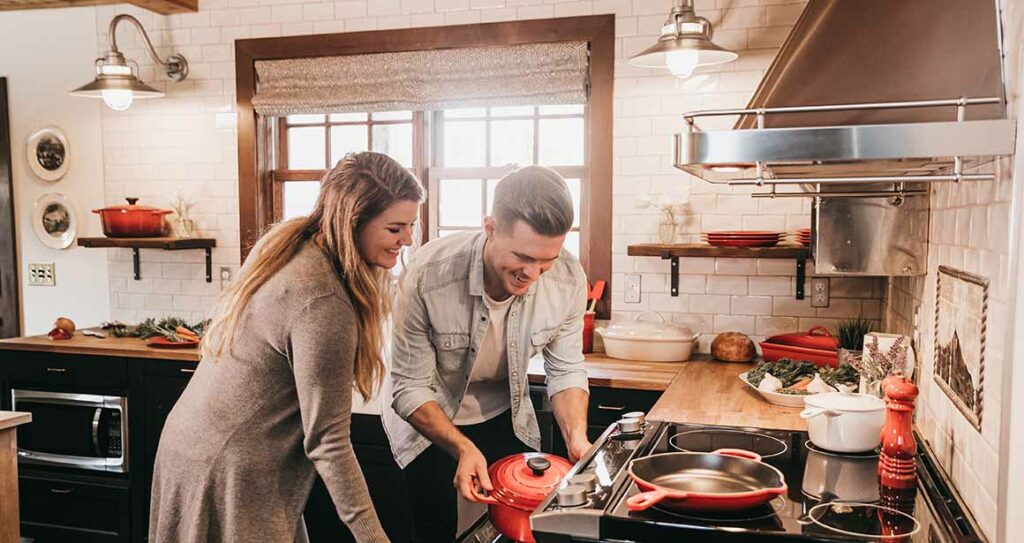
(673, 252)
(166, 244)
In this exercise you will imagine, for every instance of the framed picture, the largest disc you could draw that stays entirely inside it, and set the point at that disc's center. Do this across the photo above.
(54, 221)
(48, 153)
(961, 309)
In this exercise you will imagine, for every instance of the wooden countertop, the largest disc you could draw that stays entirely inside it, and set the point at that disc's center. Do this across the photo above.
(10, 419)
(604, 371)
(108, 346)
(710, 392)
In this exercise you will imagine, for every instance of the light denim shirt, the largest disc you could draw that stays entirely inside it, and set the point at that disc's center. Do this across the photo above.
(440, 319)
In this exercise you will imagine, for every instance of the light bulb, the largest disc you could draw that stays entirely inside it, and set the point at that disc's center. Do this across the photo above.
(119, 99)
(682, 63)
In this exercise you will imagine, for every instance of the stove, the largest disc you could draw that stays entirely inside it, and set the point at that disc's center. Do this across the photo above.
(831, 498)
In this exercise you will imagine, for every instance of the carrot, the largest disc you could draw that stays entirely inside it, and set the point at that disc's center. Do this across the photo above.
(186, 333)
(801, 384)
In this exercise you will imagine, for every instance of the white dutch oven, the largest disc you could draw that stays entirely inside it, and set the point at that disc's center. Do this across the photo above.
(649, 341)
(844, 422)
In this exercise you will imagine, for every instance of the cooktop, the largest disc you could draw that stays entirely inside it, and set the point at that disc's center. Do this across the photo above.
(830, 498)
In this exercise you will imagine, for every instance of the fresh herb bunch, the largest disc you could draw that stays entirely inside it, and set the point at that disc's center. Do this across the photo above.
(845, 374)
(852, 332)
(786, 370)
(166, 327)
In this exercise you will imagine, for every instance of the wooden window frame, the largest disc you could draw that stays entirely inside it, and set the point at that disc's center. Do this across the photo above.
(255, 183)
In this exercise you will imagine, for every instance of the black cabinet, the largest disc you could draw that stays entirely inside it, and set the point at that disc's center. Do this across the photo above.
(60, 509)
(608, 405)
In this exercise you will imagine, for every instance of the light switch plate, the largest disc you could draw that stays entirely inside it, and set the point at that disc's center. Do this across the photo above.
(819, 291)
(42, 274)
(632, 293)
(225, 276)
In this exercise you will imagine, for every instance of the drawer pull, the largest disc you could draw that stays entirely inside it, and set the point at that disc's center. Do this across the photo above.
(187, 370)
(612, 407)
(56, 490)
(57, 370)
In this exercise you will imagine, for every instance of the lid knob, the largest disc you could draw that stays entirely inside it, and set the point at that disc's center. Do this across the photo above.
(131, 201)
(538, 464)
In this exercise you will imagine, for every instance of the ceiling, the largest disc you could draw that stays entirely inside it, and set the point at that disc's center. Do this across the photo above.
(164, 7)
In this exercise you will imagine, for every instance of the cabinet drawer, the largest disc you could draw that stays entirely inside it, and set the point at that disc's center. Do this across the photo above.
(61, 371)
(607, 405)
(57, 510)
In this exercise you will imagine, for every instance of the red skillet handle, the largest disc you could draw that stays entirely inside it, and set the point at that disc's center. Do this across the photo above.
(738, 453)
(819, 329)
(645, 500)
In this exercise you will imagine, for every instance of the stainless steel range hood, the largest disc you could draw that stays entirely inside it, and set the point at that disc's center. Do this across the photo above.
(866, 91)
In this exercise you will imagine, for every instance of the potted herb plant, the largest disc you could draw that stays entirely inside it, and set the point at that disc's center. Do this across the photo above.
(851, 334)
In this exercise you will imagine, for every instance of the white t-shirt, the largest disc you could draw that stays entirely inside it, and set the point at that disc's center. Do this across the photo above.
(487, 395)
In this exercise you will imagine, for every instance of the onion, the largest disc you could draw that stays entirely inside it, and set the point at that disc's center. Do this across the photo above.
(66, 324)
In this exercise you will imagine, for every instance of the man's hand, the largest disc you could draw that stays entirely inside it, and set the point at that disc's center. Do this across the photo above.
(472, 468)
(578, 448)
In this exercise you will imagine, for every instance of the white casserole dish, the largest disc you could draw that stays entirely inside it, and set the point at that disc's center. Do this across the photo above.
(648, 341)
(848, 423)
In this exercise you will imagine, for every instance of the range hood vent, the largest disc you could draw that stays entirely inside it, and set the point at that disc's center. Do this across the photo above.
(872, 91)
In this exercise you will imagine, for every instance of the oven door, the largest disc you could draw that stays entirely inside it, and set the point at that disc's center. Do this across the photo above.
(83, 431)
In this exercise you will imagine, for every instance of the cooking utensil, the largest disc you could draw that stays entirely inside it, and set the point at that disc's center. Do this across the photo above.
(725, 480)
(842, 422)
(649, 341)
(131, 220)
(816, 345)
(594, 294)
(521, 482)
(161, 342)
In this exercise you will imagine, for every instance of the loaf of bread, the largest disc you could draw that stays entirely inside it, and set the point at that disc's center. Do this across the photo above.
(733, 347)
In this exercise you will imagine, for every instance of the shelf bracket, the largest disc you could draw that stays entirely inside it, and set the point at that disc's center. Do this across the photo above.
(135, 262)
(209, 265)
(673, 273)
(801, 275)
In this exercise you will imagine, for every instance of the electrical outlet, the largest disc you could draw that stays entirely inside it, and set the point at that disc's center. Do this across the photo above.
(819, 291)
(225, 277)
(632, 294)
(42, 274)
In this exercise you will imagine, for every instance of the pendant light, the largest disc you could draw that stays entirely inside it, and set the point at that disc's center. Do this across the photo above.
(117, 81)
(685, 44)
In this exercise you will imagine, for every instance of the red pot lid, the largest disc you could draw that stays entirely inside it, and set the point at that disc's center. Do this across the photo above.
(132, 206)
(523, 480)
(817, 337)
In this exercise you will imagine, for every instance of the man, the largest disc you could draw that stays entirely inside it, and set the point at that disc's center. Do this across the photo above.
(472, 309)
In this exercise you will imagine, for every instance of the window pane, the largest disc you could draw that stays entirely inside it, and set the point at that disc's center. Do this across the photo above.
(347, 139)
(299, 198)
(392, 116)
(394, 140)
(571, 109)
(491, 184)
(574, 190)
(511, 142)
(464, 143)
(511, 111)
(306, 148)
(348, 117)
(464, 113)
(443, 233)
(460, 202)
(572, 243)
(561, 142)
(305, 119)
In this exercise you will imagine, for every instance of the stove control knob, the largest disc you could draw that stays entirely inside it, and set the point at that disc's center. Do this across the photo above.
(586, 480)
(629, 426)
(639, 415)
(572, 496)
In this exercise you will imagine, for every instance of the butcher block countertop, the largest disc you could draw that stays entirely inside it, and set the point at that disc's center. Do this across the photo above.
(109, 346)
(604, 371)
(10, 419)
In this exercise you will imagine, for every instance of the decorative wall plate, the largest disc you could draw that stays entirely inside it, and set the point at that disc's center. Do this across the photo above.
(48, 153)
(54, 221)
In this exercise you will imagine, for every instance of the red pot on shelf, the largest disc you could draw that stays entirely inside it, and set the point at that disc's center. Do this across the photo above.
(521, 482)
(816, 345)
(132, 221)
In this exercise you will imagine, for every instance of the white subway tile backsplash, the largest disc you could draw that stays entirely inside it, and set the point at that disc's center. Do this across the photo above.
(724, 284)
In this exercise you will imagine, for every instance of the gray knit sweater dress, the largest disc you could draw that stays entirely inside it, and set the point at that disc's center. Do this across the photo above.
(237, 455)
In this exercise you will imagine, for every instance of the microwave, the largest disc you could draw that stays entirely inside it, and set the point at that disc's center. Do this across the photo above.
(84, 431)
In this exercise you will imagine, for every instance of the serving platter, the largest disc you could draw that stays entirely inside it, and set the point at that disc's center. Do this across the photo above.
(787, 400)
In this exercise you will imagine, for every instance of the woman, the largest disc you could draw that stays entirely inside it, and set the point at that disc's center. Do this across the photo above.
(293, 335)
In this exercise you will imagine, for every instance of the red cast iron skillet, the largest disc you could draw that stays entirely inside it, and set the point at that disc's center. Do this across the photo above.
(724, 480)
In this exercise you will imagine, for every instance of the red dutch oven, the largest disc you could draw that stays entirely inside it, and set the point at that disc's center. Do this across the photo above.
(521, 482)
(816, 345)
(132, 221)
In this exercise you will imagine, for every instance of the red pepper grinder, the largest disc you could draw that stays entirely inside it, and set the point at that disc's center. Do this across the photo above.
(896, 463)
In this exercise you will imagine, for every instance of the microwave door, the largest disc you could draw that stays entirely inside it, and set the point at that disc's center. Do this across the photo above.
(79, 430)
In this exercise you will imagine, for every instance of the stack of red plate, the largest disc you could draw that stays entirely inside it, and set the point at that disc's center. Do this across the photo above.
(743, 238)
(803, 236)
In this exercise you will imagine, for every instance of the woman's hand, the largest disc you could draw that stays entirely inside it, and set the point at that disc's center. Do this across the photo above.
(472, 469)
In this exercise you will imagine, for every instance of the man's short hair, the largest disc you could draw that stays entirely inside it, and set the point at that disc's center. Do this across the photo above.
(537, 196)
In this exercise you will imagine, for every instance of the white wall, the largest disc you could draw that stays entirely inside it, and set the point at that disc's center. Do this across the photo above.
(44, 54)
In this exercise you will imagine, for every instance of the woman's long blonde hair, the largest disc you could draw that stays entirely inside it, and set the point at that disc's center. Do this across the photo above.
(359, 188)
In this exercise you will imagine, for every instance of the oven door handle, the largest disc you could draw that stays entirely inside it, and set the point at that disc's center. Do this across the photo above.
(96, 431)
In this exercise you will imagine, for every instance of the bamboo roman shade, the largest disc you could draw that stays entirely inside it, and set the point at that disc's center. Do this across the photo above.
(530, 74)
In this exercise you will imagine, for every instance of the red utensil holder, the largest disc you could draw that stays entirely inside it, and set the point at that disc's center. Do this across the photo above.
(588, 332)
